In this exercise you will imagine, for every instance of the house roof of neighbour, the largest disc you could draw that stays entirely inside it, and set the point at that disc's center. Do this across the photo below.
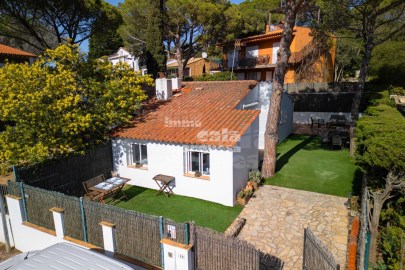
(192, 60)
(117, 55)
(199, 115)
(274, 34)
(10, 51)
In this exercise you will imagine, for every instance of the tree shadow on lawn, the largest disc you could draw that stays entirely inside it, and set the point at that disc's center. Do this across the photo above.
(283, 160)
(133, 191)
(293, 137)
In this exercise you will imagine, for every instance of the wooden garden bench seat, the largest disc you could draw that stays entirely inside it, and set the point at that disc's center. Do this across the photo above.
(91, 194)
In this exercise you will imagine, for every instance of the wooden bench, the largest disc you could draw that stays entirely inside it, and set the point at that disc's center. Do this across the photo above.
(91, 194)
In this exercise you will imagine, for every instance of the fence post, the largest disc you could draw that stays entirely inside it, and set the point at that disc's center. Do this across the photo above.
(58, 221)
(368, 236)
(108, 237)
(24, 202)
(161, 229)
(186, 233)
(15, 173)
(305, 241)
(83, 220)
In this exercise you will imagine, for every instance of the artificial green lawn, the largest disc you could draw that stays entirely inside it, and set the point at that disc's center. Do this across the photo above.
(302, 163)
(180, 208)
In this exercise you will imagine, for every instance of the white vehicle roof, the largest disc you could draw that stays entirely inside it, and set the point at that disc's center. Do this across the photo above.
(63, 256)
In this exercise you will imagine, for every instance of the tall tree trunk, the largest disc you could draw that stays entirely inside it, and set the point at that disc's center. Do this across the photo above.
(271, 134)
(179, 59)
(368, 48)
(392, 182)
(378, 203)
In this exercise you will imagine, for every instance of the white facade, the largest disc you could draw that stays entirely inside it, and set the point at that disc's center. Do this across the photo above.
(228, 170)
(124, 56)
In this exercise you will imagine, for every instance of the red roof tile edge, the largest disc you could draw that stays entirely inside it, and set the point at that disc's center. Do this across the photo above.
(7, 50)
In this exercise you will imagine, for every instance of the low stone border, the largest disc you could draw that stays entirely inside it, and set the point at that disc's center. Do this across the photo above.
(236, 227)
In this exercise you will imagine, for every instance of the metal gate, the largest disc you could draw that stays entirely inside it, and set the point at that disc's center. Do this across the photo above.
(316, 255)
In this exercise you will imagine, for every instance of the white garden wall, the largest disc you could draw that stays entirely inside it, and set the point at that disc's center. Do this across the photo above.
(247, 159)
(262, 94)
(286, 113)
(29, 237)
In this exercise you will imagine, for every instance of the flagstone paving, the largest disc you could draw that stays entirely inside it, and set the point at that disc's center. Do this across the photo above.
(276, 218)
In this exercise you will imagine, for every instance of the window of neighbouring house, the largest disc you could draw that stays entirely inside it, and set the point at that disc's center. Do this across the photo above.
(198, 162)
(252, 76)
(252, 52)
(139, 154)
(232, 58)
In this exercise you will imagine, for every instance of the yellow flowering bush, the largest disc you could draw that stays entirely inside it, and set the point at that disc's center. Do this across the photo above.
(62, 104)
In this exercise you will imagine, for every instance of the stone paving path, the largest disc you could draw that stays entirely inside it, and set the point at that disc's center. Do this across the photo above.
(276, 218)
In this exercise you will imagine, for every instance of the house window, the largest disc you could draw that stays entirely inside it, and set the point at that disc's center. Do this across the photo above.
(232, 58)
(139, 154)
(198, 162)
(252, 52)
(251, 76)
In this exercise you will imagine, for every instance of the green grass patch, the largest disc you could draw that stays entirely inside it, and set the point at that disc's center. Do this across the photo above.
(302, 163)
(180, 208)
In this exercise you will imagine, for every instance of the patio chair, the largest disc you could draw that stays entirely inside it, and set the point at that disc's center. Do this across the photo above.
(324, 137)
(90, 194)
(337, 141)
(312, 122)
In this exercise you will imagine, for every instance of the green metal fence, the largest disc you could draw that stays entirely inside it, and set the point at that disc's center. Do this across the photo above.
(137, 235)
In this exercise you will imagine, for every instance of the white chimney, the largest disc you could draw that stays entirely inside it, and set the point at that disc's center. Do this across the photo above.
(163, 89)
(176, 83)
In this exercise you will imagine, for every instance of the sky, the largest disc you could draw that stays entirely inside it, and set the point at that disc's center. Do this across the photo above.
(85, 44)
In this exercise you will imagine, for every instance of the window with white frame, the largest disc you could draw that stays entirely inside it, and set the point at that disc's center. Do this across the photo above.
(198, 162)
(139, 154)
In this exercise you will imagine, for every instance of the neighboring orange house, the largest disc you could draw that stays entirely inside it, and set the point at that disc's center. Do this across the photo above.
(194, 68)
(14, 55)
(254, 57)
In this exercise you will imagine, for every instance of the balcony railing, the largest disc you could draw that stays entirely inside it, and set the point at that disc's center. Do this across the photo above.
(263, 61)
(256, 61)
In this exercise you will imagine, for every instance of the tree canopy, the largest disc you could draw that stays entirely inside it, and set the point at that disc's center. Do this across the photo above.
(105, 39)
(32, 21)
(380, 137)
(385, 68)
(381, 154)
(154, 48)
(62, 104)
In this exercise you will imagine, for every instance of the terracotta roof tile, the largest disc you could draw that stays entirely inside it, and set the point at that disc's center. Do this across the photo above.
(205, 107)
(6, 50)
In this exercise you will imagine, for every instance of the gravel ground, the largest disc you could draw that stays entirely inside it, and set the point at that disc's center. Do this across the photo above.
(4, 256)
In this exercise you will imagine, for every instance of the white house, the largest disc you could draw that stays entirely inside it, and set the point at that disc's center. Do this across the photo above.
(123, 55)
(209, 127)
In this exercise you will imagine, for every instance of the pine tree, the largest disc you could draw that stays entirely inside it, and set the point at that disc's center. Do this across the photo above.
(155, 55)
(105, 39)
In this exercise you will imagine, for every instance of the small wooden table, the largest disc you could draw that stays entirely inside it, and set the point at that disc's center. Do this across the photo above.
(110, 188)
(164, 181)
